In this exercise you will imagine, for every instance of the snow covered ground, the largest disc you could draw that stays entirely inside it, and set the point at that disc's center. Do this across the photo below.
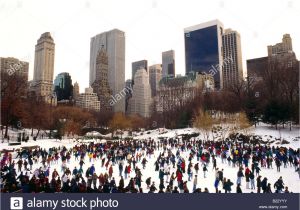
(264, 131)
(269, 133)
(290, 177)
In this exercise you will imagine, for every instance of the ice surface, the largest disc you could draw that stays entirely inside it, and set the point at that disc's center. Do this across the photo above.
(290, 177)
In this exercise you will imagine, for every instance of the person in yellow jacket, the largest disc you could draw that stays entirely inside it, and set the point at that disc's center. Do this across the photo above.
(90, 156)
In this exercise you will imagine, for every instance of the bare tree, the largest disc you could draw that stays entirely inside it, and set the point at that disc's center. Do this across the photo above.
(13, 91)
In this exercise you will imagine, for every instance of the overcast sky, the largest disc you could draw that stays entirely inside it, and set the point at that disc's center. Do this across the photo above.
(151, 26)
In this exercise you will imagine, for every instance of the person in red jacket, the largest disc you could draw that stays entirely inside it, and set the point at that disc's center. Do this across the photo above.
(179, 176)
(106, 164)
(101, 179)
(110, 172)
(247, 175)
(183, 166)
(128, 170)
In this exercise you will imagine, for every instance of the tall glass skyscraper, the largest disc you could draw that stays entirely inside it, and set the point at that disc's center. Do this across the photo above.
(63, 86)
(203, 49)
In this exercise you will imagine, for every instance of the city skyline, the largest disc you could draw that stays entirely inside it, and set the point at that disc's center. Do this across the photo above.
(72, 29)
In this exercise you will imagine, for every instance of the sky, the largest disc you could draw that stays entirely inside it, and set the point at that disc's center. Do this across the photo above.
(150, 26)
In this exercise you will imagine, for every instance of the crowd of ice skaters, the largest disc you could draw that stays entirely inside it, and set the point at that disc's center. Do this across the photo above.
(20, 175)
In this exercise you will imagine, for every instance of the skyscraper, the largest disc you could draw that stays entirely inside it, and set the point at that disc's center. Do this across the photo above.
(114, 43)
(100, 85)
(44, 66)
(63, 87)
(281, 52)
(283, 47)
(232, 58)
(75, 90)
(168, 63)
(142, 64)
(203, 49)
(141, 95)
(155, 75)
